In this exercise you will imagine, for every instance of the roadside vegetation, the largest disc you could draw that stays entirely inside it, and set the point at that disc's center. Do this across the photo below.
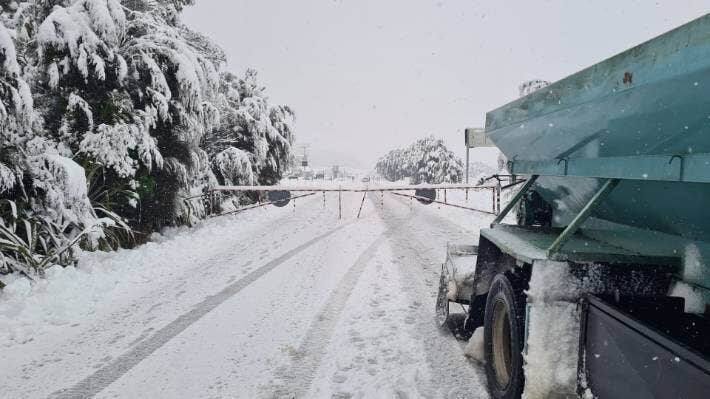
(114, 118)
(425, 161)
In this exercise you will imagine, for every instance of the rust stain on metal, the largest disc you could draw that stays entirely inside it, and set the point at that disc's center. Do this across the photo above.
(628, 78)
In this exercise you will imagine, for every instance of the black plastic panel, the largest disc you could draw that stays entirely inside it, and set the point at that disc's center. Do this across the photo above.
(628, 359)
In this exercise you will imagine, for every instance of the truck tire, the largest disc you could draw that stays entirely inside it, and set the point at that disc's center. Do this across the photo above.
(503, 337)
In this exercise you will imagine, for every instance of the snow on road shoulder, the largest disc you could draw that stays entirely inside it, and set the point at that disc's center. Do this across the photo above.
(68, 296)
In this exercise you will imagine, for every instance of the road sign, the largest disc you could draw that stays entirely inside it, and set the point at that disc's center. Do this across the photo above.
(476, 137)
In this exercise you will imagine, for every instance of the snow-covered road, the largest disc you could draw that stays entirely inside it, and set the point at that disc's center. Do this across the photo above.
(269, 303)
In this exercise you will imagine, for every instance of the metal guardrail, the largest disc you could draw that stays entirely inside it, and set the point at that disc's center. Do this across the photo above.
(356, 188)
(495, 189)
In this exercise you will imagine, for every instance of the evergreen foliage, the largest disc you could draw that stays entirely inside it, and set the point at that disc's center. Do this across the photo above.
(114, 111)
(425, 161)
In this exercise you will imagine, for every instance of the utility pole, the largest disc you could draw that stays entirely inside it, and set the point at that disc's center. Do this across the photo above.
(304, 159)
(468, 151)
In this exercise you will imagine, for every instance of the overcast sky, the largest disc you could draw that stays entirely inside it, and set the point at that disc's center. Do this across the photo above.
(366, 76)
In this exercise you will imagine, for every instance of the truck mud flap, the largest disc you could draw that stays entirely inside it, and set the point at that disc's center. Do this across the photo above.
(622, 356)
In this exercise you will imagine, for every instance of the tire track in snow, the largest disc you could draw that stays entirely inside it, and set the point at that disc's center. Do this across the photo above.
(418, 271)
(105, 376)
(298, 376)
(442, 224)
(113, 330)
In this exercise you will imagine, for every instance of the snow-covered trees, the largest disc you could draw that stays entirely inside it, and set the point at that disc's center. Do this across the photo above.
(44, 194)
(125, 99)
(425, 161)
(83, 92)
(124, 93)
(16, 114)
(233, 167)
(250, 124)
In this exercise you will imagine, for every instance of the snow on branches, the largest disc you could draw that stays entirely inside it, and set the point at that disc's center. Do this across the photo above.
(81, 38)
(250, 123)
(425, 161)
(64, 198)
(111, 146)
(234, 166)
(79, 48)
(122, 108)
(16, 114)
(7, 178)
(137, 92)
(16, 104)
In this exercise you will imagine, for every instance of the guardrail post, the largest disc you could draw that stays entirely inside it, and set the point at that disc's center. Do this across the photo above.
(361, 204)
(340, 203)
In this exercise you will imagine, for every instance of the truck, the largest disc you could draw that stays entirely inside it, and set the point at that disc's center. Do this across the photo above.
(600, 287)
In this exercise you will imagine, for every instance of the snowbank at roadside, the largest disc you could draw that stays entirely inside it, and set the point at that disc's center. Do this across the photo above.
(69, 295)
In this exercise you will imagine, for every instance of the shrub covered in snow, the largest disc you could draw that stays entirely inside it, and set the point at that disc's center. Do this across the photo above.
(111, 109)
(425, 161)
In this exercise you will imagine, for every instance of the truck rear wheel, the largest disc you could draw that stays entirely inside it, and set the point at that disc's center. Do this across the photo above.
(503, 338)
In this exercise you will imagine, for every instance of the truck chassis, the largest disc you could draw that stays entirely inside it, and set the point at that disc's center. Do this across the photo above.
(633, 340)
